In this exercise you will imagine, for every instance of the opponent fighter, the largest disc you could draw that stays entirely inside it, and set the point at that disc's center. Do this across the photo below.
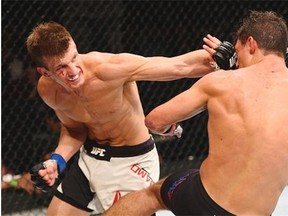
(96, 98)
(246, 169)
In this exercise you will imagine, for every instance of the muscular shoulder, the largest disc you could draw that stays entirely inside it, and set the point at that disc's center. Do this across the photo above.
(218, 81)
(47, 90)
(110, 58)
(97, 57)
(114, 66)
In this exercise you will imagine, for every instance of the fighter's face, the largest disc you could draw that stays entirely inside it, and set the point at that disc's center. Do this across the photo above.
(246, 52)
(239, 49)
(66, 70)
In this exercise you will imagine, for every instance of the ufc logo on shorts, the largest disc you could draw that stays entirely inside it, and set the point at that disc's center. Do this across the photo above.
(98, 151)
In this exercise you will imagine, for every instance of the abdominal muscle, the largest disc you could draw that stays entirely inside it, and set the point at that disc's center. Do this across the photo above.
(115, 123)
(126, 131)
(113, 116)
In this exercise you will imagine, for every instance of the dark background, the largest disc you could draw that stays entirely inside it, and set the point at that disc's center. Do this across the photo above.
(30, 128)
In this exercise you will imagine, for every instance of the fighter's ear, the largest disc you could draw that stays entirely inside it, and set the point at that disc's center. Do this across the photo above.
(252, 44)
(43, 71)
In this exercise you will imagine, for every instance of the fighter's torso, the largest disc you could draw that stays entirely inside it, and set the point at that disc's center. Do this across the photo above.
(248, 142)
(109, 108)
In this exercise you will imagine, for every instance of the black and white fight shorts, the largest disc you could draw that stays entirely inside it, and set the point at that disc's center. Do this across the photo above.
(184, 194)
(103, 174)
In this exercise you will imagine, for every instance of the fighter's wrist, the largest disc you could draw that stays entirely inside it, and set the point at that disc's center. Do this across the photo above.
(61, 163)
(169, 128)
(173, 130)
(214, 66)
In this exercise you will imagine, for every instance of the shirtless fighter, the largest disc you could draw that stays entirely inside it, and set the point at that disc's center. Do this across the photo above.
(247, 166)
(95, 97)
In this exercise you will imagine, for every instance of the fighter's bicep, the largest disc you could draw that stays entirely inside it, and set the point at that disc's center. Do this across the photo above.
(181, 107)
(190, 102)
(121, 66)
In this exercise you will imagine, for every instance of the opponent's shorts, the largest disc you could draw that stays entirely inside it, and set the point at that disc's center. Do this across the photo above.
(103, 174)
(184, 194)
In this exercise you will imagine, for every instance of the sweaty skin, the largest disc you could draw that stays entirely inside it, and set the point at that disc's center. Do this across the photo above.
(95, 95)
(246, 169)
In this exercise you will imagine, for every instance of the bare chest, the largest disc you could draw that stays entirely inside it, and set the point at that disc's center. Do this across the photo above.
(93, 104)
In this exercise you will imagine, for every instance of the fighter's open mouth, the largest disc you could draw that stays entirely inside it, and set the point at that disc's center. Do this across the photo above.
(73, 78)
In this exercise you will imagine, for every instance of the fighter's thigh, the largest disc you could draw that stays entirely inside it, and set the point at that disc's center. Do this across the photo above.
(155, 192)
(58, 207)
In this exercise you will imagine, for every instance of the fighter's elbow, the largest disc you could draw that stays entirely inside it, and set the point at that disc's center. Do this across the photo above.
(152, 124)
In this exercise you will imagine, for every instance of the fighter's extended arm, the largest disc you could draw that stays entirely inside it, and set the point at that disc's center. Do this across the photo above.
(130, 67)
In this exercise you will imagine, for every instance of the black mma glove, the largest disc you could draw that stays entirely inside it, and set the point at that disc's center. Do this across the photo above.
(37, 180)
(174, 130)
(225, 56)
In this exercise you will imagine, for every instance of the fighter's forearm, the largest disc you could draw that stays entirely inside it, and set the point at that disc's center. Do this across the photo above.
(198, 63)
(190, 65)
(70, 141)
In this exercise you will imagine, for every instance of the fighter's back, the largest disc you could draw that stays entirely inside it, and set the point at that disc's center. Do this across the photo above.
(248, 138)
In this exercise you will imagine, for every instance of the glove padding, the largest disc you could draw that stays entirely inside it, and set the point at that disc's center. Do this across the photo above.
(225, 56)
(37, 180)
(174, 130)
